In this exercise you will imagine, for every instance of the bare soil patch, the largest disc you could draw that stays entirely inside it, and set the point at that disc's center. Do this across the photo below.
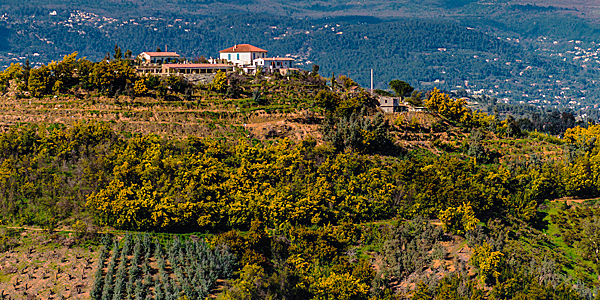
(43, 268)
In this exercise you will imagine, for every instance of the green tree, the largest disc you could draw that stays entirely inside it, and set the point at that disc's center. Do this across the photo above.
(401, 88)
(64, 71)
(340, 286)
(327, 100)
(257, 96)
(250, 286)
(456, 110)
(488, 262)
(333, 82)
(112, 76)
(175, 84)
(26, 70)
(140, 87)
(416, 99)
(13, 72)
(118, 55)
(458, 220)
(475, 146)
(512, 129)
(359, 133)
(219, 83)
(39, 81)
(315, 70)
(383, 93)
(347, 81)
(84, 73)
(591, 241)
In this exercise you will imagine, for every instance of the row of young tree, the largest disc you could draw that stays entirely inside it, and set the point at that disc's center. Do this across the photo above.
(196, 267)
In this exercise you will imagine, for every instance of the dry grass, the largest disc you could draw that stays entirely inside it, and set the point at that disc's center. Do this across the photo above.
(202, 118)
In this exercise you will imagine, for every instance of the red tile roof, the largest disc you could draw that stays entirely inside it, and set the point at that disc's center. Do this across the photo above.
(196, 66)
(161, 54)
(243, 48)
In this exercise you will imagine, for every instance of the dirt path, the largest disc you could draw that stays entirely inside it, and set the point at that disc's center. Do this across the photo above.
(570, 200)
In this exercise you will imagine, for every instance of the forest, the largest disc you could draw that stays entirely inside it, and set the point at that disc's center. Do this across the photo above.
(448, 203)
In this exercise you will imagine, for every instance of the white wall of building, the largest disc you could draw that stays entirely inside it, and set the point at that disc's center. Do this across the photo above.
(273, 64)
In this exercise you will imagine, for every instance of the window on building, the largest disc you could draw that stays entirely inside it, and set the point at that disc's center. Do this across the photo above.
(228, 56)
(238, 56)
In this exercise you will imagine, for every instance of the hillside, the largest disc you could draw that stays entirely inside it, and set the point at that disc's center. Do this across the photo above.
(296, 187)
(115, 185)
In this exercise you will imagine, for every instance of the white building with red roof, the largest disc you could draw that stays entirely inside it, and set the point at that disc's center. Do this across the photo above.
(243, 54)
(250, 58)
(158, 57)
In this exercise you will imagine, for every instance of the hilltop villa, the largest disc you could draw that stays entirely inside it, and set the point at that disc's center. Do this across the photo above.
(243, 54)
(242, 58)
(250, 58)
(158, 57)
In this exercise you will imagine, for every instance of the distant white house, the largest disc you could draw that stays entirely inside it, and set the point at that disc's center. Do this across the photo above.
(243, 54)
(270, 64)
(158, 57)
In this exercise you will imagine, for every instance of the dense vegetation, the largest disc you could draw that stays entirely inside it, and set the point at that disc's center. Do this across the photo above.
(145, 183)
(451, 203)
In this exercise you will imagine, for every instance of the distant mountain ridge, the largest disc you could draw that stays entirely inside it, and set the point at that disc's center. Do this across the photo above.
(303, 8)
